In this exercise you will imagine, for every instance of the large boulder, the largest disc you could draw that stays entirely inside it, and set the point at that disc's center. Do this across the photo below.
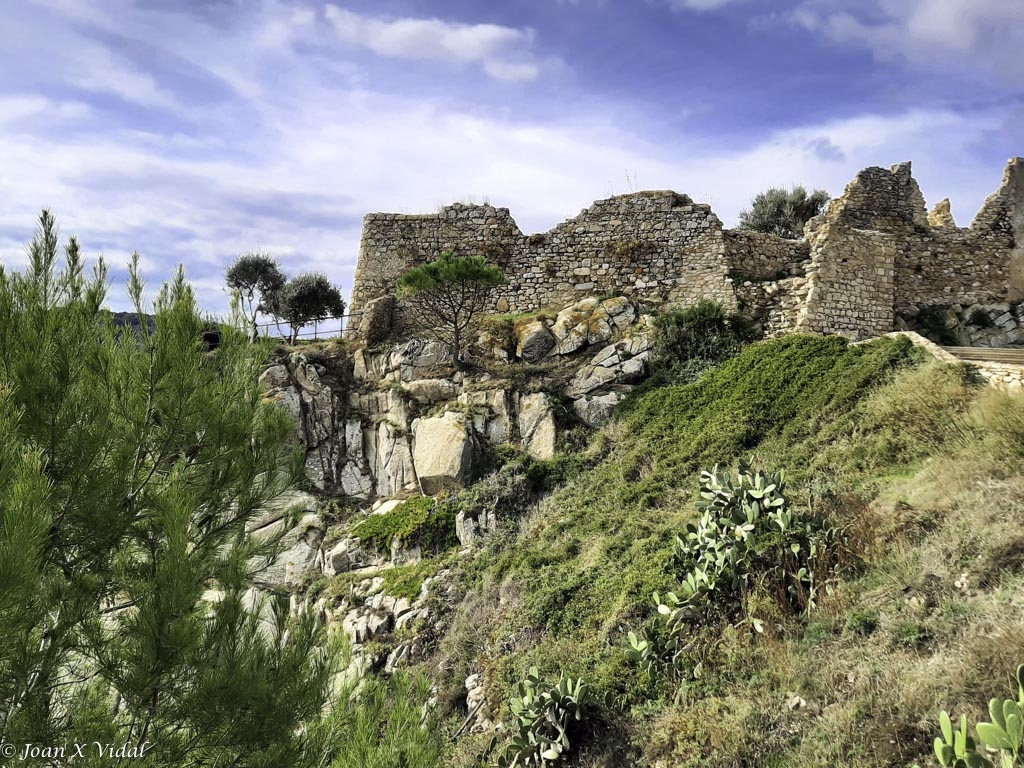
(589, 378)
(533, 340)
(431, 390)
(443, 453)
(537, 425)
(570, 328)
(591, 321)
(491, 409)
(595, 411)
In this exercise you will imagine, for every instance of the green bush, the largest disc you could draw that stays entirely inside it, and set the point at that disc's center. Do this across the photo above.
(407, 580)
(691, 340)
(419, 521)
(746, 538)
(783, 212)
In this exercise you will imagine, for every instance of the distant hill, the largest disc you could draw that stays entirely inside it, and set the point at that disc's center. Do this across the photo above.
(132, 319)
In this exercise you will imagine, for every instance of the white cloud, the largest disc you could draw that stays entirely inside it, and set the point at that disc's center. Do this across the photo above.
(503, 52)
(940, 34)
(701, 5)
(295, 159)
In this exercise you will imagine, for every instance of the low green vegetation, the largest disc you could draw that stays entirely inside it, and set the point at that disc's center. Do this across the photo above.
(420, 521)
(1000, 741)
(692, 340)
(821, 600)
(544, 714)
(407, 580)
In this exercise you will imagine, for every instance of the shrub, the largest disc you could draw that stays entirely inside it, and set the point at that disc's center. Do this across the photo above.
(691, 340)
(543, 713)
(1003, 737)
(407, 580)
(746, 538)
(777, 211)
(419, 521)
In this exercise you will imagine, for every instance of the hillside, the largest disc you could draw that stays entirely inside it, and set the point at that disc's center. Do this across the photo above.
(907, 473)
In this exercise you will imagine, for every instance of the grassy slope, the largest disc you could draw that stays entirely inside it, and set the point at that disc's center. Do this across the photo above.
(920, 471)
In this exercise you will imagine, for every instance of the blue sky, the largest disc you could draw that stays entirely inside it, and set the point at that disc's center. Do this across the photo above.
(195, 130)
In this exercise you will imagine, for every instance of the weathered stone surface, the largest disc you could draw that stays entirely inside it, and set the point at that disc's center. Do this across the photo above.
(348, 555)
(873, 254)
(941, 215)
(431, 390)
(298, 559)
(378, 320)
(533, 341)
(595, 411)
(589, 378)
(444, 452)
(491, 414)
(275, 377)
(537, 425)
(570, 327)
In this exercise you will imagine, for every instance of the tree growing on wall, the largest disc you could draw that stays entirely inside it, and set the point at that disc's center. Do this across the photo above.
(781, 212)
(256, 276)
(307, 298)
(134, 465)
(446, 296)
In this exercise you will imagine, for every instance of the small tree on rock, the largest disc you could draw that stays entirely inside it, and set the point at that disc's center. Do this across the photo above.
(446, 296)
(308, 298)
(256, 276)
(777, 211)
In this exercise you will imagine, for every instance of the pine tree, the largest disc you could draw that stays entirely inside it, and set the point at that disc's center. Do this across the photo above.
(446, 296)
(134, 466)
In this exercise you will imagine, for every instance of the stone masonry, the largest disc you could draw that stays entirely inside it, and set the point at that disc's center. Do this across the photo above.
(875, 258)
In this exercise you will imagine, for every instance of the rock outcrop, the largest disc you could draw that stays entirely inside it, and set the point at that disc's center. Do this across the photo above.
(444, 452)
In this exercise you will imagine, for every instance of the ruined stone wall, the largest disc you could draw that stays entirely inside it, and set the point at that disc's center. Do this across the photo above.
(657, 245)
(875, 254)
(938, 263)
(774, 304)
(393, 243)
(937, 266)
(759, 256)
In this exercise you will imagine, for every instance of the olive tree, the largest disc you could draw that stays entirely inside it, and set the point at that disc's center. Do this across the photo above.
(256, 276)
(777, 211)
(308, 298)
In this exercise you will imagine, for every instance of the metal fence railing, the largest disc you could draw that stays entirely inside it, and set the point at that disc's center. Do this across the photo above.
(328, 329)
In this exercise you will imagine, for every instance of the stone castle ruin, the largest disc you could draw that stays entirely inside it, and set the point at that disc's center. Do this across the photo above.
(874, 262)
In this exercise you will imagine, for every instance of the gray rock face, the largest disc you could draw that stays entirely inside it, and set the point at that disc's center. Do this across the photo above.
(348, 555)
(590, 322)
(533, 341)
(300, 546)
(443, 452)
(589, 378)
(596, 410)
(537, 425)
(431, 390)
(491, 414)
